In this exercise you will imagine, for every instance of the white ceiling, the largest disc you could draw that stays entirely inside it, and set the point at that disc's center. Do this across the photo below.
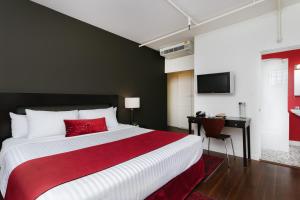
(144, 20)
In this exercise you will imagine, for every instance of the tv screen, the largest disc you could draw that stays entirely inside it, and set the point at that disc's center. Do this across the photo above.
(214, 83)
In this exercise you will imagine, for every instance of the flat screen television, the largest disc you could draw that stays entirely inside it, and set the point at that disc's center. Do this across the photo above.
(222, 83)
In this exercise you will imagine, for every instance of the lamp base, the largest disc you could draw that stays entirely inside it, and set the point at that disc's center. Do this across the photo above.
(135, 124)
(131, 116)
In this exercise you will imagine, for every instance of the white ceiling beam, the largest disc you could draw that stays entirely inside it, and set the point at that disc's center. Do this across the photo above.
(249, 5)
(182, 11)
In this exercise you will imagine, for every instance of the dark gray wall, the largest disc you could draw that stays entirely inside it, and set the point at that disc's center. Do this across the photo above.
(43, 51)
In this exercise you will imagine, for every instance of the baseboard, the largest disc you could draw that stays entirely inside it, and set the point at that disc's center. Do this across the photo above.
(295, 143)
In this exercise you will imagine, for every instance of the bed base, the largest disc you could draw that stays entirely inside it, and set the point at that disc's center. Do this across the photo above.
(182, 185)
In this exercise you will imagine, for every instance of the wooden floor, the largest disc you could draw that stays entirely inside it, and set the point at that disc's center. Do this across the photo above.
(259, 181)
(179, 130)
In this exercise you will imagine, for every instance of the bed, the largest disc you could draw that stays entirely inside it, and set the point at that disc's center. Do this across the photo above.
(152, 175)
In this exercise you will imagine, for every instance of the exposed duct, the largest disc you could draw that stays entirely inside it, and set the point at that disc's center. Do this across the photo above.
(249, 5)
(191, 21)
(189, 18)
(279, 21)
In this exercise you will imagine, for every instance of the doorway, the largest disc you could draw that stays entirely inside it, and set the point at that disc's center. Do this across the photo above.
(274, 111)
(180, 99)
(274, 107)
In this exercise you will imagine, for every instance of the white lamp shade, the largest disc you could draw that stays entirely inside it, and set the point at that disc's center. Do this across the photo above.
(132, 102)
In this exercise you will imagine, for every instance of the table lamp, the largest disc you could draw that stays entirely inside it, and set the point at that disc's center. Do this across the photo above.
(132, 103)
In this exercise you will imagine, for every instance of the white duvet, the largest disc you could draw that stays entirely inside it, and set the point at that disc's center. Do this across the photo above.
(134, 179)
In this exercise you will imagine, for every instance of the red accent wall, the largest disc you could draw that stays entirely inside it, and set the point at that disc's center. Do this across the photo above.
(293, 57)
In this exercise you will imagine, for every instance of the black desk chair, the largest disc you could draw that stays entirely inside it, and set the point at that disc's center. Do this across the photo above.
(213, 129)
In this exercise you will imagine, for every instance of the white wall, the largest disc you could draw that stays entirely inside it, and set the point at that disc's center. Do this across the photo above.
(180, 98)
(237, 48)
(179, 64)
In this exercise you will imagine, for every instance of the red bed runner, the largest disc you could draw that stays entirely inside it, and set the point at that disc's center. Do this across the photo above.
(34, 177)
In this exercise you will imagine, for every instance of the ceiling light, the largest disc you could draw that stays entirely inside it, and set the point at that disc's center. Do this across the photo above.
(297, 67)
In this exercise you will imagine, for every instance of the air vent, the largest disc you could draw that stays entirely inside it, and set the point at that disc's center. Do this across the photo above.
(179, 50)
(168, 51)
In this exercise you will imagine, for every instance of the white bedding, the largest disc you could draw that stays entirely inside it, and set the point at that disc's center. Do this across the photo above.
(134, 179)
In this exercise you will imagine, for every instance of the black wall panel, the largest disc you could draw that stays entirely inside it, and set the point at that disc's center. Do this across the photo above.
(43, 51)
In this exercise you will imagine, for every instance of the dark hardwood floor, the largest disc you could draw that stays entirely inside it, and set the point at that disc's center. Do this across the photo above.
(259, 181)
(175, 129)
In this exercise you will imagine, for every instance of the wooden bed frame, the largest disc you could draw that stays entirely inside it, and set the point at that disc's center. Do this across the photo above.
(17, 102)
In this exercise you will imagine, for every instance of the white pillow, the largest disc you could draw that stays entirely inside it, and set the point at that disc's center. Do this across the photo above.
(19, 125)
(108, 113)
(48, 123)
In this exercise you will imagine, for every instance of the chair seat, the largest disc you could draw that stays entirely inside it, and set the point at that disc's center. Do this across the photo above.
(221, 136)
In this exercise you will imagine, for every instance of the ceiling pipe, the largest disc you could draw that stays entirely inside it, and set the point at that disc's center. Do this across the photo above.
(182, 11)
(279, 21)
(254, 3)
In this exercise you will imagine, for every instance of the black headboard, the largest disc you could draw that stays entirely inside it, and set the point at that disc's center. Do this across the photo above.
(16, 102)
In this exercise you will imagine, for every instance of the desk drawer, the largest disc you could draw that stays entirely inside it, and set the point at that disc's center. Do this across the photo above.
(195, 120)
(235, 124)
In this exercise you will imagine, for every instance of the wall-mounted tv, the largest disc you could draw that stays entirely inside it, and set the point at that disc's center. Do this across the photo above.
(222, 83)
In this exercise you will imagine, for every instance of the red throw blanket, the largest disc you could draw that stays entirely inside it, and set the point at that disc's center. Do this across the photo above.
(31, 179)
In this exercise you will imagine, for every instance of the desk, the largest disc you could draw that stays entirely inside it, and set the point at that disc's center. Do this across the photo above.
(234, 122)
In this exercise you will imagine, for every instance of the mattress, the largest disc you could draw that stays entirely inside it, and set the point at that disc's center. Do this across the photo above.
(134, 179)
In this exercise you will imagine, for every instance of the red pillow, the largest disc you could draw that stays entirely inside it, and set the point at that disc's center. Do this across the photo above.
(85, 126)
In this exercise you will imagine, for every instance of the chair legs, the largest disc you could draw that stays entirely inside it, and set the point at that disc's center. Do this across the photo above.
(232, 148)
(225, 144)
(226, 152)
